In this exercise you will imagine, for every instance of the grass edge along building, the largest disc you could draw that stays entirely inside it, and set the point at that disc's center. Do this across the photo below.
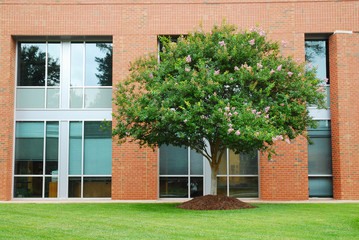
(60, 59)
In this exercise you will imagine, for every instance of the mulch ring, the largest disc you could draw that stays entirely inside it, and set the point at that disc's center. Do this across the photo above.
(214, 202)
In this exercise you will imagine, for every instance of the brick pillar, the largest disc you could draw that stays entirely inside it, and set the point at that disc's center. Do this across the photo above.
(134, 169)
(344, 85)
(286, 177)
(7, 70)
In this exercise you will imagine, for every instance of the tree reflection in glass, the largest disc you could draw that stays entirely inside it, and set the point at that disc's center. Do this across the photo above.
(33, 64)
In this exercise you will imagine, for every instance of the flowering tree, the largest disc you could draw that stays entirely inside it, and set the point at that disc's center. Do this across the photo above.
(217, 90)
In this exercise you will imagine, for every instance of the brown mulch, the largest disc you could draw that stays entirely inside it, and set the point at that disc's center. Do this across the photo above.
(214, 202)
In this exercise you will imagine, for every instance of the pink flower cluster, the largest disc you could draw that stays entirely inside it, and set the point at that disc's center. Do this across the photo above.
(222, 43)
(249, 68)
(251, 42)
(320, 89)
(258, 30)
(187, 69)
(216, 72)
(280, 137)
(259, 65)
(188, 59)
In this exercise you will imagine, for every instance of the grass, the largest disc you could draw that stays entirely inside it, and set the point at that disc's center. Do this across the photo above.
(163, 221)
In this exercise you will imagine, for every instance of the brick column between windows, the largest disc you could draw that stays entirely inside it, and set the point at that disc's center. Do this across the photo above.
(134, 169)
(344, 85)
(7, 70)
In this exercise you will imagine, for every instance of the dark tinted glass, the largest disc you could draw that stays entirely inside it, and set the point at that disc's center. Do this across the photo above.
(32, 64)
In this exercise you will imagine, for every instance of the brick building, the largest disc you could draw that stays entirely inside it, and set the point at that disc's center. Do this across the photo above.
(60, 59)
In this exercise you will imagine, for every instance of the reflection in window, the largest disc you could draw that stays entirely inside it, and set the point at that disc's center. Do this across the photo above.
(320, 161)
(32, 64)
(316, 54)
(89, 168)
(238, 175)
(181, 172)
(36, 153)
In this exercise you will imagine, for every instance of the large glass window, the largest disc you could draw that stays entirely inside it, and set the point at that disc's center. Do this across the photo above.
(36, 159)
(44, 77)
(320, 161)
(39, 75)
(90, 159)
(91, 75)
(316, 52)
(181, 172)
(238, 175)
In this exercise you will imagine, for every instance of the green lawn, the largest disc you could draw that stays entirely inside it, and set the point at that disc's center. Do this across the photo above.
(163, 221)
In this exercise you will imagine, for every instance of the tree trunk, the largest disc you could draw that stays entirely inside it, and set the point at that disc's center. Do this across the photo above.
(214, 180)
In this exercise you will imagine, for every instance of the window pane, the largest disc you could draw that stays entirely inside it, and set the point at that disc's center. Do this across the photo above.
(30, 98)
(97, 187)
(320, 156)
(25, 187)
(53, 64)
(77, 60)
(76, 97)
(98, 64)
(52, 148)
(320, 187)
(75, 148)
(196, 189)
(243, 163)
(222, 186)
(196, 163)
(53, 95)
(315, 52)
(32, 64)
(51, 187)
(243, 187)
(173, 187)
(75, 187)
(97, 162)
(173, 160)
(29, 145)
(98, 98)
(222, 169)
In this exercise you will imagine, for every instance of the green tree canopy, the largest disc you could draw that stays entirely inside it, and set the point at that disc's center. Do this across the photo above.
(223, 89)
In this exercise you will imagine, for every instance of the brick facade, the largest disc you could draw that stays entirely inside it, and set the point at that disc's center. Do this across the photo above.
(135, 25)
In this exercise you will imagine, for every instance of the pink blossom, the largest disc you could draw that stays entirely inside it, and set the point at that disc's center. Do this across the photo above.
(299, 74)
(279, 68)
(187, 69)
(282, 104)
(185, 120)
(252, 42)
(271, 71)
(280, 137)
(188, 59)
(216, 72)
(262, 33)
(287, 141)
(176, 83)
(227, 109)
(235, 113)
(326, 80)
(266, 116)
(259, 65)
(274, 139)
(233, 108)
(230, 130)
(259, 113)
(231, 79)
(320, 89)
(290, 74)
(225, 114)
(220, 109)
(267, 109)
(271, 160)
(150, 75)
(257, 133)
(230, 125)
(222, 43)
(237, 132)
(236, 68)
(254, 111)
(229, 114)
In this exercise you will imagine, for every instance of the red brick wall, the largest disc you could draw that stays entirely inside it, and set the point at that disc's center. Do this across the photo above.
(344, 82)
(134, 27)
